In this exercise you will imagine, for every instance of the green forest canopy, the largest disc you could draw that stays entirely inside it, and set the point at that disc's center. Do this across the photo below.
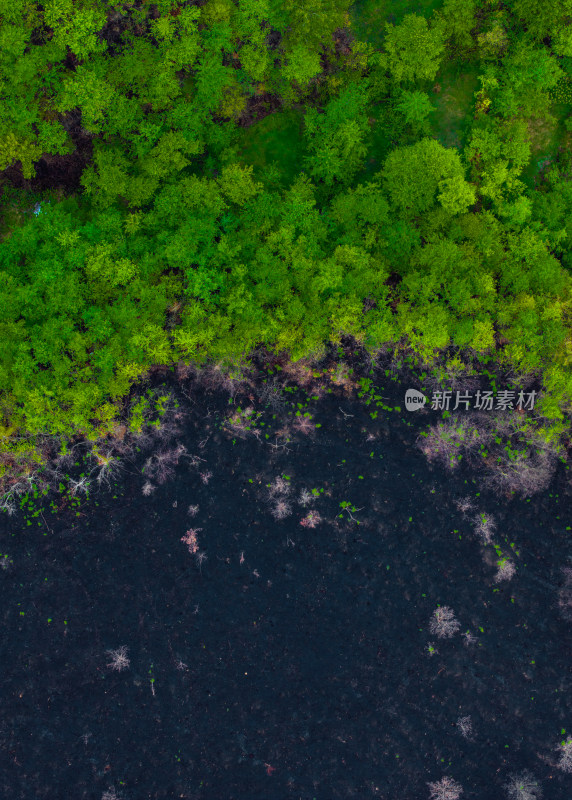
(193, 235)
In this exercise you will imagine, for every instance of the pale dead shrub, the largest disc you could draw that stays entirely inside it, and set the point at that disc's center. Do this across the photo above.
(443, 623)
(523, 786)
(445, 789)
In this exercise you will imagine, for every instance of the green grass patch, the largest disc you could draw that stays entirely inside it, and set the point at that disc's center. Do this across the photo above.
(454, 100)
(546, 135)
(275, 140)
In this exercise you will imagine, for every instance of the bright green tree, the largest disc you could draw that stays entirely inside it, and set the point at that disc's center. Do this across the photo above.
(526, 79)
(456, 19)
(337, 139)
(416, 108)
(541, 17)
(414, 49)
(498, 152)
(418, 176)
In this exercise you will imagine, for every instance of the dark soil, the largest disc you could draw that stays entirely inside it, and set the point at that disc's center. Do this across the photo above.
(58, 173)
(293, 661)
(258, 107)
